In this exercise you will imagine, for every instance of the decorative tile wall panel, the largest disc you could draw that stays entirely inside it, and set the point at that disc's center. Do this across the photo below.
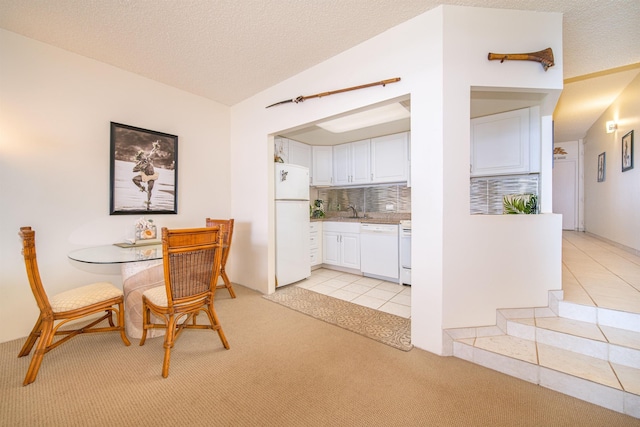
(374, 199)
(487, 191)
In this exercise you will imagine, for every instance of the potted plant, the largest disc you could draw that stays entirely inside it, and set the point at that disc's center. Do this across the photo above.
(520, 204)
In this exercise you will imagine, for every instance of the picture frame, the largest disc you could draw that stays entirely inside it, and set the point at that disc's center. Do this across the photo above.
(143, 171)
(601, 166)
(627, 151)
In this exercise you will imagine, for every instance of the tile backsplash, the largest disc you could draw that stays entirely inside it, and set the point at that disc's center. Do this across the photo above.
(374, 199)
(487, 191)
(486, 195)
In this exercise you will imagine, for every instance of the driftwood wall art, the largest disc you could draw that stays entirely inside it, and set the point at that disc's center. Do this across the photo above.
(545, 57)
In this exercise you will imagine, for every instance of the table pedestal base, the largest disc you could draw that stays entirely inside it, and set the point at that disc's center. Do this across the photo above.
(137, 277)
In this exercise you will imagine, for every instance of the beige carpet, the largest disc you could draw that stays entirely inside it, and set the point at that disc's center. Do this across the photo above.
(284, 368)
(389, 329)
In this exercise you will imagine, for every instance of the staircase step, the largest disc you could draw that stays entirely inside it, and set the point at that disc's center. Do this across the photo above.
(611, 385)
(600, 315)
(603, 342)
(588, 352)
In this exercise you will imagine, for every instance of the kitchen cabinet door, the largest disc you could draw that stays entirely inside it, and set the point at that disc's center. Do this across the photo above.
(500, 143)
(322, 160)
(342, 164)
(352, 163)
(350, 246)
(361, 162)
(300, 154)
(331, 247)
(389, 158)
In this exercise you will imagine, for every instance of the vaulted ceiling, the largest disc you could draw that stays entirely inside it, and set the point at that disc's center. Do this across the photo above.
(229, 50)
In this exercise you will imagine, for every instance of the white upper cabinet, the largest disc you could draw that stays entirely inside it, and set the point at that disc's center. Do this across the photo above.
(290, 151)
(322, 162)
(361, 162)
(351, 163)
(506, 143)
(370, 161)
(300, 154)
(390, 158)
(342, 164)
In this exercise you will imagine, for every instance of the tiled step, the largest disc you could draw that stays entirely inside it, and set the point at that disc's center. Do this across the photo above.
(613, 386)
(614, 345)
(601, 316)
(586, 352)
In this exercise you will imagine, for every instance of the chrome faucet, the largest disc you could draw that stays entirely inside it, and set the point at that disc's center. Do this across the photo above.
(355, 212)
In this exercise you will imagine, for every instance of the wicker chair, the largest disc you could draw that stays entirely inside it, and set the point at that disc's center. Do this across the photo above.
(65, 307)
(228, 223)
(192, 259)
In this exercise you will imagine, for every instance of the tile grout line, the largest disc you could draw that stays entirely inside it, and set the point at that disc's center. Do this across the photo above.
(602, 247)
(584, 253)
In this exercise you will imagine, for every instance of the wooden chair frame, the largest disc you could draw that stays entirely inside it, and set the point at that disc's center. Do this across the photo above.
(187, 294)
(46, 327)
(228, 223)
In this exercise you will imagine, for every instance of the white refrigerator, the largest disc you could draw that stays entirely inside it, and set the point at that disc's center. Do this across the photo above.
(293, 262)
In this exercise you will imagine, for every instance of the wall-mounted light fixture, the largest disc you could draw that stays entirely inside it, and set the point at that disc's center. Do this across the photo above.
(611, 126)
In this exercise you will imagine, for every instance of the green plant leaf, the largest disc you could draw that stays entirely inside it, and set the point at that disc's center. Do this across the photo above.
(520, 204)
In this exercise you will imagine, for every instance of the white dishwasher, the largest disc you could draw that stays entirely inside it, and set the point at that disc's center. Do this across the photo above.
(379, 251)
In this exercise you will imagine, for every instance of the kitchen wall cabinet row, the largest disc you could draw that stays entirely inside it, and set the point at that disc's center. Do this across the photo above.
(377, 160)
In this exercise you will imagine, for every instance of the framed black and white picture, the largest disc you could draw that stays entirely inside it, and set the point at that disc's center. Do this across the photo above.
(627, 152)
(601, 166)
(144, 171)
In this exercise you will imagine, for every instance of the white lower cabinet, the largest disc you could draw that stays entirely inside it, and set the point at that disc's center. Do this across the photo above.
(341, 244)
(315, 243)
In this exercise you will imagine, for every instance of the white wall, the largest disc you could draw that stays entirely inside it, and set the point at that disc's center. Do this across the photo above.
(55, 111)
(439, 55)
(612, 207)
(494, 262)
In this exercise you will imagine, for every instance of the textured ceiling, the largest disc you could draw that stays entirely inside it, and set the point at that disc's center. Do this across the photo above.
(229, 50)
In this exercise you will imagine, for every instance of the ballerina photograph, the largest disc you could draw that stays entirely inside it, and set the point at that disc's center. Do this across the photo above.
(143, 171)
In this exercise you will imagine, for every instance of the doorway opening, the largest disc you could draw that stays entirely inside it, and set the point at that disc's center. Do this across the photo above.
(374, 199)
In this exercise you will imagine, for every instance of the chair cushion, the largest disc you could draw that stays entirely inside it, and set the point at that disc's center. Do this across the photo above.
(157, 295)
(83, 296)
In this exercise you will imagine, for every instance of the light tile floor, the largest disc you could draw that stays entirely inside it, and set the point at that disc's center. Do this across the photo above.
(594, 273)
(598, 274)
(373, 293)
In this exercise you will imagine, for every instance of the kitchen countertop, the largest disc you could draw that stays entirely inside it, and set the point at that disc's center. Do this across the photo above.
(366, 220)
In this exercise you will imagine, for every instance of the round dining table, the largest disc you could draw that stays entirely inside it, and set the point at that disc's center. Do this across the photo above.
(141, 268)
